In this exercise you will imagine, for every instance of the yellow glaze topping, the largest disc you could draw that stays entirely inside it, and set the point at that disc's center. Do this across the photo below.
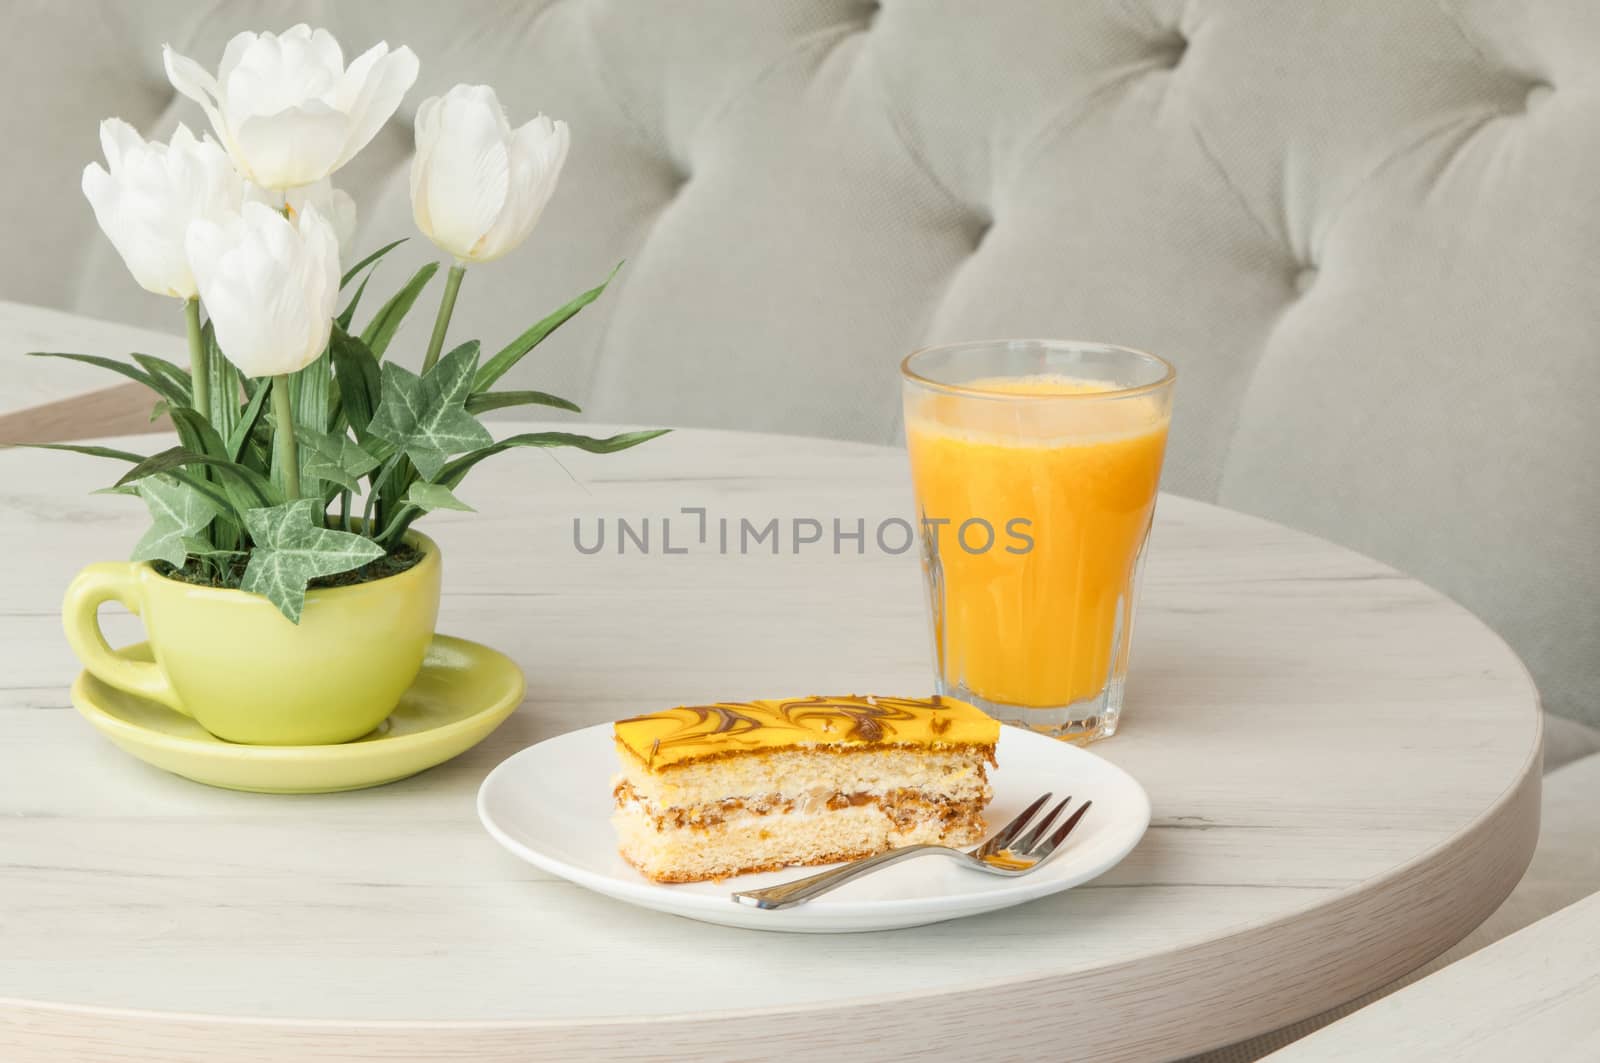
(699, 732)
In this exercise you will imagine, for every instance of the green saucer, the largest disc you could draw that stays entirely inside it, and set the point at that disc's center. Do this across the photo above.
(464, 692)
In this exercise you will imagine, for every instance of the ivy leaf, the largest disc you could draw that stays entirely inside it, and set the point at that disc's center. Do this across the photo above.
(178, 514)
(336, 458)
(429, 497)
(292, 549)
(426, 416)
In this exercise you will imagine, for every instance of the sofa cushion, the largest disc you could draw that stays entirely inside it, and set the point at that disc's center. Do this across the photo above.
(1365, 231)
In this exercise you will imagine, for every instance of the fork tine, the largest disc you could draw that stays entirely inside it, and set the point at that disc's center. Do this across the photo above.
(1003, 836)
(1061, 833)
(1029, 840)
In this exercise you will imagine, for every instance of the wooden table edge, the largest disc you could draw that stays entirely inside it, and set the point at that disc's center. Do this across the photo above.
(1219, 991)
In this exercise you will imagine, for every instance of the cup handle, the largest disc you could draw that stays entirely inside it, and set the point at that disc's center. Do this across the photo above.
(112, 581)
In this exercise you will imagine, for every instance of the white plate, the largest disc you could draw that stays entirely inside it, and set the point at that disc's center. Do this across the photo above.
(551, 805)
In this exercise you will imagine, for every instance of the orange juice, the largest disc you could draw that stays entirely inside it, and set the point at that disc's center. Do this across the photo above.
(1040, 623)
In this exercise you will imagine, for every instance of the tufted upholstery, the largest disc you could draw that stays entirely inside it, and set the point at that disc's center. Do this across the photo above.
(1366, 231)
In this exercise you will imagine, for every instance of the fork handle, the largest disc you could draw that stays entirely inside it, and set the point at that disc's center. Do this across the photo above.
(803, 889)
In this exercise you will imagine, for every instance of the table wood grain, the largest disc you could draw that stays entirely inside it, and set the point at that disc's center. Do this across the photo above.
(1532, 995)
(1343, 766)
(33, 382)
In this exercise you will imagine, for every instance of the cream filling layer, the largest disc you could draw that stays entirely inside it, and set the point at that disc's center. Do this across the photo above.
(748, 841)
(801, 775)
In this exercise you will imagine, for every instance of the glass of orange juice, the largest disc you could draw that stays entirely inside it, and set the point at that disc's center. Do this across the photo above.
(1035, 465)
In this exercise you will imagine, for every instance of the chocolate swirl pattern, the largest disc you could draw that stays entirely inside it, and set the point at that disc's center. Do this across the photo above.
(698, 732)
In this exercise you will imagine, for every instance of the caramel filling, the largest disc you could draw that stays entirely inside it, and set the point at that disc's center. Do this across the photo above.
(905, 807)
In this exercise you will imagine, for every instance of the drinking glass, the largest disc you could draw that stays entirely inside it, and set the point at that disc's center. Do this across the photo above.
(1035, 465)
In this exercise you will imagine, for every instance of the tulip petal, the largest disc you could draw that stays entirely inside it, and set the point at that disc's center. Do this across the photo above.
(468, 170)
(319, 266)
(271, 287)
(356, 76)
(334, 204)
(342, 214)
(117, 140)
(427, 127)
(323, 45)
(236, 47)
(538, 152)
(192, 80)
(387, 79)
(293, 147)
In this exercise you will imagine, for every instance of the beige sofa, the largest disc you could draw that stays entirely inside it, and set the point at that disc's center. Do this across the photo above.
(1367, 232)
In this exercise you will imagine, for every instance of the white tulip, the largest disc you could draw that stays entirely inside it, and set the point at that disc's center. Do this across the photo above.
(151, 194)
(477, 186)
(333, 203)
(270, 286)
(287, 108)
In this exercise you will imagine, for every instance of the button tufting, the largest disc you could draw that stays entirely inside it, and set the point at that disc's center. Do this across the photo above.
(1538, 92)
(1173, 49)
(1304, 279)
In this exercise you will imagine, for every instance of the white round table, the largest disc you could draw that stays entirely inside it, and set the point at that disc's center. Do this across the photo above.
(1344, 768)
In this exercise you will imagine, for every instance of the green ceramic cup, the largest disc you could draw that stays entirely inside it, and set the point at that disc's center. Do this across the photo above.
(245, 673)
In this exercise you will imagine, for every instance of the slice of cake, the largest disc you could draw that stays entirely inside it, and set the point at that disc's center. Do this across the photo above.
(709, 791)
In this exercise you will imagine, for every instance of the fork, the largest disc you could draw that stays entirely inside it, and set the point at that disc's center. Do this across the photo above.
(1008, 852)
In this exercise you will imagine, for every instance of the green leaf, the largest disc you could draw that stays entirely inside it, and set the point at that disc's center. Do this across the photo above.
(79, 448)
(196, 432)
(197, 435)
(485, 401)
(129, 371)
(425, 416)
(311, 411)
(348, 314)
(292, 549)
(174, 383)
(127, 484)
(500, 364)
(202, 548)
(247, 422)
(453, 473)
(381, 329)
(350, 273)
(311, 394)
(336, 458)
(182, 457)
(429, 497)
(127, 455)
(360, 381)
(223, 402)
(178, 512)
